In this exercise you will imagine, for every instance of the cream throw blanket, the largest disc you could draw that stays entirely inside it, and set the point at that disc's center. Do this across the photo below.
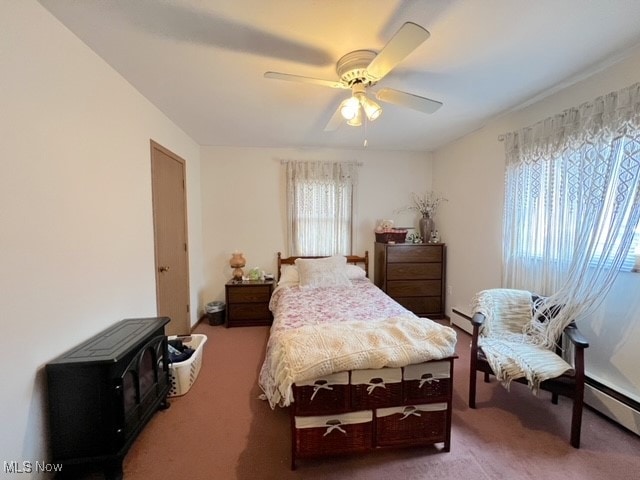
(509, 351)
(311, 351)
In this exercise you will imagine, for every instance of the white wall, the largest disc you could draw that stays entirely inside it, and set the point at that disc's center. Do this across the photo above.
(471, 172)
(244, 202)
(76, 238)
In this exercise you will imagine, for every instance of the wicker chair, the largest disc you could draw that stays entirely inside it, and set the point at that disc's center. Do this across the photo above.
(569, 384)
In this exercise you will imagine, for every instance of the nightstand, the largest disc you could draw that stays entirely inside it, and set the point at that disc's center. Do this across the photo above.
(248, 302)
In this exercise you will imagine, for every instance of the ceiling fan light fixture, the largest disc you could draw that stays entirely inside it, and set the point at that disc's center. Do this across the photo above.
(350, 108)
(360, 70)
(371, 109)
(357, 120)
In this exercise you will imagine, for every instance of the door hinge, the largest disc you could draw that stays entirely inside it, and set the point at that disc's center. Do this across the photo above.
(188, 308)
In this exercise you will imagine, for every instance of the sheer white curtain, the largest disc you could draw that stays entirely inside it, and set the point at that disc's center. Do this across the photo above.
(572, 204)
(320, 207)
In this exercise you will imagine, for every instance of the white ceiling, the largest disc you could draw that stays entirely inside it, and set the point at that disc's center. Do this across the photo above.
(202, 61)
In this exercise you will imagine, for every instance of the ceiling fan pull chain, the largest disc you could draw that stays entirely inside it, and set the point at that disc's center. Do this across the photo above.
(365, 131)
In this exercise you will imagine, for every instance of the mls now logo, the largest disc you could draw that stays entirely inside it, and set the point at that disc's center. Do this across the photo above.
(31, 467)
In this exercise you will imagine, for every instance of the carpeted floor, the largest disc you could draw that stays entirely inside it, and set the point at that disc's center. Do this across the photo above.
(220, 430)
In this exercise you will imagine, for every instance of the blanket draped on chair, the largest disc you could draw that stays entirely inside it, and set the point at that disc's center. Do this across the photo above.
(511, 353)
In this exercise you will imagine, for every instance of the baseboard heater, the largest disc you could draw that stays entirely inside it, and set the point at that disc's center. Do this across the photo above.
(611, 403)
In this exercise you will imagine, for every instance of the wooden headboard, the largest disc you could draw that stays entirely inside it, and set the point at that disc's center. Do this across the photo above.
(354, 259)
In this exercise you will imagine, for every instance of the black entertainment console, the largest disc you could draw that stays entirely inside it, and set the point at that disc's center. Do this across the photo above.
(103, 392)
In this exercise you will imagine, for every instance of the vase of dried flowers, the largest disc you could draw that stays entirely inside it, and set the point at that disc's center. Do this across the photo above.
(426, 205)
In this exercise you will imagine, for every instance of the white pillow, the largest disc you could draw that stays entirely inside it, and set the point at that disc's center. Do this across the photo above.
(288, 274)
(355, 272)
(323, 272)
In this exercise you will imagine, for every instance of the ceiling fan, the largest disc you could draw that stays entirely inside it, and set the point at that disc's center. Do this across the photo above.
(361, 69)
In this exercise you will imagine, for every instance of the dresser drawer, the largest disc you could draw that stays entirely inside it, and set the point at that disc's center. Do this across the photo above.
(421, 305)
(413, 253)
(248, 311)
(414, 271)
(413, 288)
(250, 294)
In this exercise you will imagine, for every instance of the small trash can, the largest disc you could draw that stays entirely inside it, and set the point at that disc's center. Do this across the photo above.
(215, 312)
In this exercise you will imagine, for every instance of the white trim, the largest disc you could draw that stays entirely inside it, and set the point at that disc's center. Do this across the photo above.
(436, 369)
(364, 377)
(322, 421)
(461, 321)
(612, 408)
(340, 378)
(403, 409)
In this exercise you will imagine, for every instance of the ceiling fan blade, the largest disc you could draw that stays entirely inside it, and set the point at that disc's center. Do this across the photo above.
(301, 79)
(335, 121)
(421, 104)
(406, 40)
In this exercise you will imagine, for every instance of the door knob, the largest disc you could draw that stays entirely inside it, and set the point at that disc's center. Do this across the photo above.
(163, 269)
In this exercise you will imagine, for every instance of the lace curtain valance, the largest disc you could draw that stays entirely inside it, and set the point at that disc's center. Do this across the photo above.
(322, 172)
(602, 120)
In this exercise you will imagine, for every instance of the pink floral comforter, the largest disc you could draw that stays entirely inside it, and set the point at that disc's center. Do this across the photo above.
(294, 307)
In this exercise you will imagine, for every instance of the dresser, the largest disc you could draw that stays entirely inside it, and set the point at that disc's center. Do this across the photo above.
(248, 303)
(413, 275)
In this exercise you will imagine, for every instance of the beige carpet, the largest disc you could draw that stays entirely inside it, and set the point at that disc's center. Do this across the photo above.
(220, 430)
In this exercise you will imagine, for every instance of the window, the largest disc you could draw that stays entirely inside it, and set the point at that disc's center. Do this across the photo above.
(572, 197)
(555, 208)
(320, 207)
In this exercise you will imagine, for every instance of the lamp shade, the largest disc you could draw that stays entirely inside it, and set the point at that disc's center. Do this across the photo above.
(237, 260)
(371, 109)
(357, 120)
(349, 108)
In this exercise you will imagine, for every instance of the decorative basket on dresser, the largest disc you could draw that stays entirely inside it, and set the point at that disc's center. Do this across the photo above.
(393, 236)
(413, 274)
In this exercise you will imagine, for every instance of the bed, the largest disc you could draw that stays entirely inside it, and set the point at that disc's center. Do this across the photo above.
(357, 370)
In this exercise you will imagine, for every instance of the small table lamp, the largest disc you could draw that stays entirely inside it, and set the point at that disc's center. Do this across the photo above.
(237, 262)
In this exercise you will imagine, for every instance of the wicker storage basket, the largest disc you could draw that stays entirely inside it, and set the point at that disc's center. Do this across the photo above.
(420, 424)
(376, 388)
(426, 382)
(395, 236)
(183, 374)
(344, 433)
(323, 395)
